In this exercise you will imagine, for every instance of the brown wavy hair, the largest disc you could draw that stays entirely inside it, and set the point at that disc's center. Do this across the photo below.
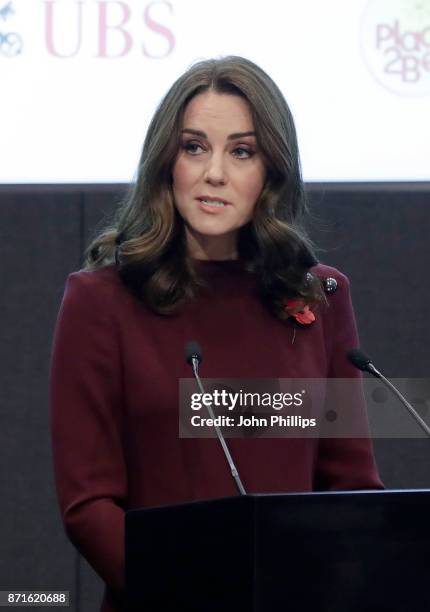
(146, 239)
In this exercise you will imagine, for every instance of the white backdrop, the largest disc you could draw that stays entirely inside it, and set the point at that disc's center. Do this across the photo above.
(80, 79)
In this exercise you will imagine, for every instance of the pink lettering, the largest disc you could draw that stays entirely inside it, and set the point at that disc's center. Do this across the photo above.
(414, 41)
(49, 29)
(397, 32)
(384, 32)
(159, 29)
(411, 72)
(104, 27)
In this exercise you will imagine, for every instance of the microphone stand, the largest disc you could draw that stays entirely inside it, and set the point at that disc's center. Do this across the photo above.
(371, 368)
(233, 469)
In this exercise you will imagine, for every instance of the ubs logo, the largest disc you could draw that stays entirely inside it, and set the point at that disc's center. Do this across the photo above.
(395, 39)
(105, 29)
(10, 42)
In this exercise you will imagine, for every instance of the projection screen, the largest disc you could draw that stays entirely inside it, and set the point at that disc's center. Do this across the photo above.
(80, 80)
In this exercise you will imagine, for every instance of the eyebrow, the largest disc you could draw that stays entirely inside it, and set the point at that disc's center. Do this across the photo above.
(230, 137)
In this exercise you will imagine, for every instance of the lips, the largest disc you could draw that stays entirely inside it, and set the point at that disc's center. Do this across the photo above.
(206, 198)
(212, 206)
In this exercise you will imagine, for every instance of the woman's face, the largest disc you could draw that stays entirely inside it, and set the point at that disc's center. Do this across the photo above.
(218, 174)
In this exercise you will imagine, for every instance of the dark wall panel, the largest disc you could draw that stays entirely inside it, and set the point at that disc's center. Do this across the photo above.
(99, 208)
(381, 240)
(39, 242)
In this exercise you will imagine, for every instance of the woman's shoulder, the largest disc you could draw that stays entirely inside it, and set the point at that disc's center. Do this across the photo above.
(336, 287)
(105, 276)
(102, 284)
(330, 277)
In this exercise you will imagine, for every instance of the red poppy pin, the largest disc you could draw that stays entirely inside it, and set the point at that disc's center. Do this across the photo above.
(300, 312)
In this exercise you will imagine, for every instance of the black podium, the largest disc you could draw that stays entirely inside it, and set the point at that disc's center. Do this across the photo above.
(328, 552)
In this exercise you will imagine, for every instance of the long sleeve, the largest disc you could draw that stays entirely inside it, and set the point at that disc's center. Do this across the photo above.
(344, 463)
(86, 415)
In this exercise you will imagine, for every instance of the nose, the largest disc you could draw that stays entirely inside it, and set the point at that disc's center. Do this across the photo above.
(215, 171)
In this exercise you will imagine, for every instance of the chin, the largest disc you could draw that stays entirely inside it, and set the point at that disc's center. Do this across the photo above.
(204, 229)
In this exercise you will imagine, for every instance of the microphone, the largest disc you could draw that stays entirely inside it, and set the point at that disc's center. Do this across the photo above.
(360, 360)
(193, 356)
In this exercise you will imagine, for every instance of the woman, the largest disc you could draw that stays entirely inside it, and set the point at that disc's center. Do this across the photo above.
(207, 247)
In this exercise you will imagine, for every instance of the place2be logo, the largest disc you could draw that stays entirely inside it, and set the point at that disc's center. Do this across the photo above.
(10, 42)
(395, 39)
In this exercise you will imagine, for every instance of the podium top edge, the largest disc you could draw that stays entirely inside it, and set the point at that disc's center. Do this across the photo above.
(249, 498)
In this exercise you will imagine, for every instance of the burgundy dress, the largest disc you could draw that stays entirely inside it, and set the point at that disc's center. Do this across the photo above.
(114, 403)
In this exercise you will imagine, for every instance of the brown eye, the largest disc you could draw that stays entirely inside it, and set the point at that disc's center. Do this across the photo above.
(193, 148)
(243, 153)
